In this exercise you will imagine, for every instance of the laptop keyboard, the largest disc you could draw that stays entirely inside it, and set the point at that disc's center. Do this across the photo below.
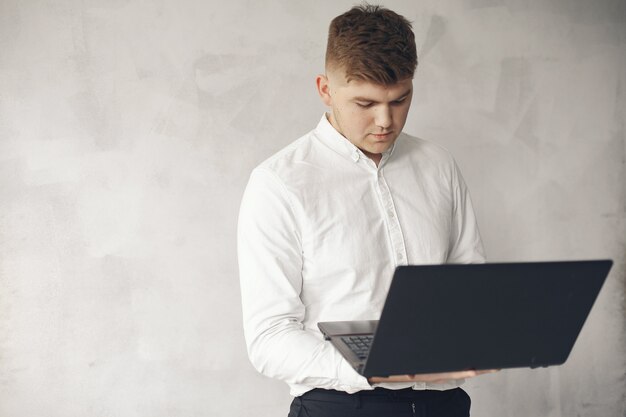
(360, 344)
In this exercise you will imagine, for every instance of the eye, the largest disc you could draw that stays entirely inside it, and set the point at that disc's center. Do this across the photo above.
(364, 105)
(399, 101)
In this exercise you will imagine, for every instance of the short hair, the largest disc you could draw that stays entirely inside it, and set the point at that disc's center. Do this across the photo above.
(372, 43)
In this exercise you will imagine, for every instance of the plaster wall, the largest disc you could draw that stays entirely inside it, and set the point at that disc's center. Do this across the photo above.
(128, 129)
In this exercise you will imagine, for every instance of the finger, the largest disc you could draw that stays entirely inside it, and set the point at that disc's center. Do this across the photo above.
(461, 374)
(392, 378)
(487, 371)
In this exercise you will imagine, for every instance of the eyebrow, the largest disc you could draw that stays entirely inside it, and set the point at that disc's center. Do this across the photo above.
(369, 100)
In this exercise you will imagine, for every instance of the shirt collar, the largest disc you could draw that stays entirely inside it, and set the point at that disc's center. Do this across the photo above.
(337, 142)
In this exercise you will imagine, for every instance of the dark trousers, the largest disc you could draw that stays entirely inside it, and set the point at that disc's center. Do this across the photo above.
(382, 403)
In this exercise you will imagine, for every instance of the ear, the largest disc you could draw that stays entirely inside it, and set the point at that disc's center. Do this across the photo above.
(323, 89)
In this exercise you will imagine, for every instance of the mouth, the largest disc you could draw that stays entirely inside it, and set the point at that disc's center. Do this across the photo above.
(382, 136)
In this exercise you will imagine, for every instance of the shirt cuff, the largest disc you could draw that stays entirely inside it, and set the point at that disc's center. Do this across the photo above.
(351, 381)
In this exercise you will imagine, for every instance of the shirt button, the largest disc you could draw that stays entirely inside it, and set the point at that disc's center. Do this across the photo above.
(355, 156)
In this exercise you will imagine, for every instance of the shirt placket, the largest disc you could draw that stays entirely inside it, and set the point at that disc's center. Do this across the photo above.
(393, 224)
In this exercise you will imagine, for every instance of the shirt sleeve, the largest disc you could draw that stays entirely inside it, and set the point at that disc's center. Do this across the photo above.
(465, 242)
(270, 269)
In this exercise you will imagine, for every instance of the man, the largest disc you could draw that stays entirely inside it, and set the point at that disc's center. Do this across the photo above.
(324, 223)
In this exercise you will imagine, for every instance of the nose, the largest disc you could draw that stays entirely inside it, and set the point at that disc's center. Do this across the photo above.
(383, 117)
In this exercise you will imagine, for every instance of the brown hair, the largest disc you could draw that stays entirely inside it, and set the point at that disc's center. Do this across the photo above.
(372, 43)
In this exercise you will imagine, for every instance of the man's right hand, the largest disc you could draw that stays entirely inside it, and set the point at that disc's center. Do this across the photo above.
(437, 378)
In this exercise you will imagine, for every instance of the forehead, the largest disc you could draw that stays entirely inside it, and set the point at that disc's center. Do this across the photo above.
(377, 92)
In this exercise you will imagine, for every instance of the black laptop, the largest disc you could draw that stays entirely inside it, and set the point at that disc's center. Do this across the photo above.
(440, 318)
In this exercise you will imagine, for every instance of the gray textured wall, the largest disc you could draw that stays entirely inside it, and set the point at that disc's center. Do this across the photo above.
(128, 129)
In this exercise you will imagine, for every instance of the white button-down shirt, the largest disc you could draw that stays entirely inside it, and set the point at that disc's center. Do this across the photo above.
(321, 230)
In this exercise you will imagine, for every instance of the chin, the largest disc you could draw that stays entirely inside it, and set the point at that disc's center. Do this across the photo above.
(382, 148)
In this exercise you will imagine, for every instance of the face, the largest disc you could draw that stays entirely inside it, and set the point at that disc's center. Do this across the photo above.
(369, 115)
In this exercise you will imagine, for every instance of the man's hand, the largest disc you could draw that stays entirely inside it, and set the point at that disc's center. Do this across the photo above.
(432, 378)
